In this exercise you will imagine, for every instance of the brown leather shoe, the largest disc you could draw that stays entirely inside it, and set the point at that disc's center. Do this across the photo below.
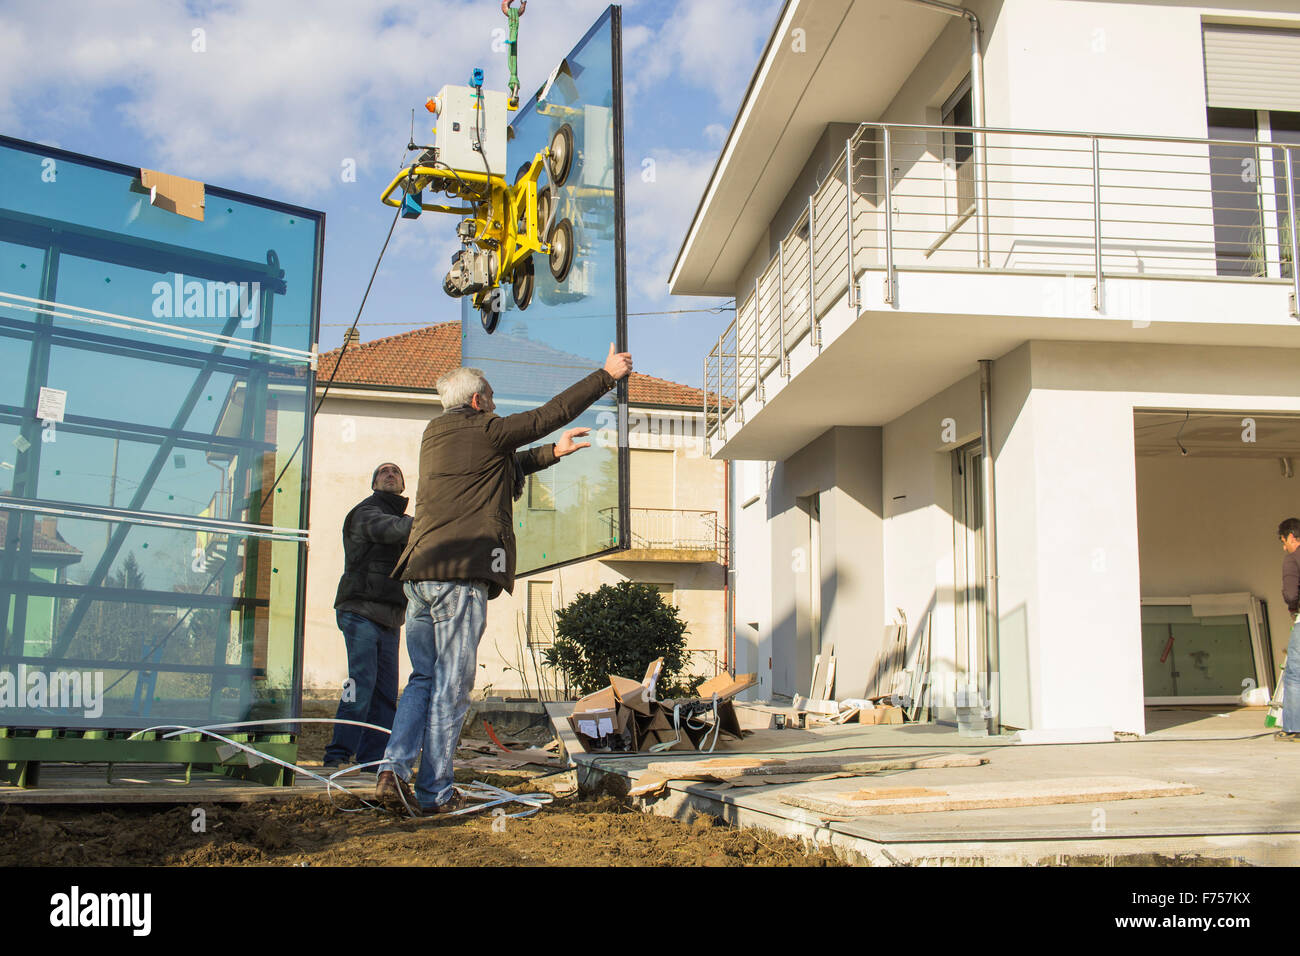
(458, 801)
(394, 793)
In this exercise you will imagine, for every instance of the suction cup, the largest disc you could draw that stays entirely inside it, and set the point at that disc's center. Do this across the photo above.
(561, 241)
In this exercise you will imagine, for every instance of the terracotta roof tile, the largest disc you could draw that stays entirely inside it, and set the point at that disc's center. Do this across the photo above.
(417, 359)
(43, 542)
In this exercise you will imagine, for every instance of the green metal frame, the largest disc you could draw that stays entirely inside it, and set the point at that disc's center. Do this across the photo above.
(22, 752)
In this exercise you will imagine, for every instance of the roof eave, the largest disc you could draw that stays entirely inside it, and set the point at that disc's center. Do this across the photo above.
(764, 61)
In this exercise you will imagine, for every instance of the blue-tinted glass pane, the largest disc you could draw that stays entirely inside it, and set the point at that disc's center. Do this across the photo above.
(149, 253)
(569, 511)
(201, 631)
(183, 349)
(14, 355)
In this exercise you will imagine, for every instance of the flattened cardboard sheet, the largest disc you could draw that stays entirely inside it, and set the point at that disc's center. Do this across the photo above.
(185, 197)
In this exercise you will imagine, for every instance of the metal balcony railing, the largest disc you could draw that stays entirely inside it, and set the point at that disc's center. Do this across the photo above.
(960, 198)
(673, 530)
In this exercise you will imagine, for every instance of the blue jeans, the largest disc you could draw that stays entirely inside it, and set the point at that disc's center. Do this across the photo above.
(372, 667)
(444, 623)
(1291, 684)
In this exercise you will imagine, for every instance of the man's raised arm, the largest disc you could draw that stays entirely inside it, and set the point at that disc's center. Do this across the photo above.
(512, 431)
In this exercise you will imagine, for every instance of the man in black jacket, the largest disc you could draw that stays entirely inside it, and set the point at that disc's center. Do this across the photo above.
(370, 608)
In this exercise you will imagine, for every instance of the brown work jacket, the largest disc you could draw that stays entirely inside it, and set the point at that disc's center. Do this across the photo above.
(464, 507)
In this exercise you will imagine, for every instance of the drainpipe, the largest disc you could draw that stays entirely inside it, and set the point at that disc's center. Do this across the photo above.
(977, 116)
(990, 550)
(728, 599)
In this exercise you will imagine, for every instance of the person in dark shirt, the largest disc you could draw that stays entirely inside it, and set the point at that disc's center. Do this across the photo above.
(1289, 532)
(370, 608)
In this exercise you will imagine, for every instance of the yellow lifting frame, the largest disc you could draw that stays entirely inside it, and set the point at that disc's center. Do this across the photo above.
(496, 218)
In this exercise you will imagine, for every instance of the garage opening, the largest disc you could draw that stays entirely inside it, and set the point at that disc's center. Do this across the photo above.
(1212, 488)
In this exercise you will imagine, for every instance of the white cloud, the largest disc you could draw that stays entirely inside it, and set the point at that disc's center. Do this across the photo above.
(281, 94)
(715, 133)
(710, 44)
(661, 201)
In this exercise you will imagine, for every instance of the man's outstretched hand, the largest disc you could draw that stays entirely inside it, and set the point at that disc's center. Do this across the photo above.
(618, 365)
(566, 444)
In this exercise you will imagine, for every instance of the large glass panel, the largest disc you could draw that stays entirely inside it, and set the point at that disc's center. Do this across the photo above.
(1188, 656)
(565, 332)
(155, 397)
(186, 624)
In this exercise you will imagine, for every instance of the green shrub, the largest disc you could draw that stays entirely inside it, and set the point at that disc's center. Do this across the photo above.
(618, 631)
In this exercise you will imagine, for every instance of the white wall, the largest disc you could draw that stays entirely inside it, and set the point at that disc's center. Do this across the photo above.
(843, 467)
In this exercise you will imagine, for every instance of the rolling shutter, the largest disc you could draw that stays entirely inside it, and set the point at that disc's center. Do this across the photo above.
(1252, 68)
(541, 614)
(652, 479)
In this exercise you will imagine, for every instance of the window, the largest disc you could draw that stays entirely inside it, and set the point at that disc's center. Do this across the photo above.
(541, 613)
(652, 479)
(541, 491)
(959, 147)
(1284, 129)
(1234, 184)
(1252, 222)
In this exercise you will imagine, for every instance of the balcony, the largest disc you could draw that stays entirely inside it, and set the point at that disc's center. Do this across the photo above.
(994, 236)
(661, 534)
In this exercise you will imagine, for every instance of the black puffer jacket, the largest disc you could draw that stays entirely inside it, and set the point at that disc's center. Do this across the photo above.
(374, 536)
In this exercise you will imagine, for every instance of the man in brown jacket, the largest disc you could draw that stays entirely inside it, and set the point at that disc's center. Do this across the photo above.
(460, 555)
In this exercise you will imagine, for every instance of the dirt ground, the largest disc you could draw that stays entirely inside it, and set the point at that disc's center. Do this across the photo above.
(310, 831)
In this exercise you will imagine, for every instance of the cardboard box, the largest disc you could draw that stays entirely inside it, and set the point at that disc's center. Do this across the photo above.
(602, 699)
(639, 695)
(725, 686)
(654, 737)
(594, 724)
(881, 715)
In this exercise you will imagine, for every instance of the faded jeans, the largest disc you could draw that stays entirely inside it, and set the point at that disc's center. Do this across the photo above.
(372, 667)
(444, 623)
(1291, 684)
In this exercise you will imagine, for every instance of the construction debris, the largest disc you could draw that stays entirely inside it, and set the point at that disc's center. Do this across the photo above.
(982, 796)
(732, 769)
(625, 717)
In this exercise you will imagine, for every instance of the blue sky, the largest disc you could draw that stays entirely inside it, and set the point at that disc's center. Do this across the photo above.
(283, 96)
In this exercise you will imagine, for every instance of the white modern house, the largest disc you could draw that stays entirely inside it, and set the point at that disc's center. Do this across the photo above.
(1041, 397)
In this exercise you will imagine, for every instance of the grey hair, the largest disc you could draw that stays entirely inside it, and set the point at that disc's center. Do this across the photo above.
(457, 387)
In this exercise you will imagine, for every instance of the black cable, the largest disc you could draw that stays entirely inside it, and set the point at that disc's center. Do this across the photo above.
(343, 351)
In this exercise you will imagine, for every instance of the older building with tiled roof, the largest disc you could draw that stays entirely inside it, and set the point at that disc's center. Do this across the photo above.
(415, 361)
(46, 541)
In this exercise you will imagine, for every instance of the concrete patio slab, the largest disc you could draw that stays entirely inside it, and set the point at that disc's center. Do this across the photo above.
(1247, 813)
